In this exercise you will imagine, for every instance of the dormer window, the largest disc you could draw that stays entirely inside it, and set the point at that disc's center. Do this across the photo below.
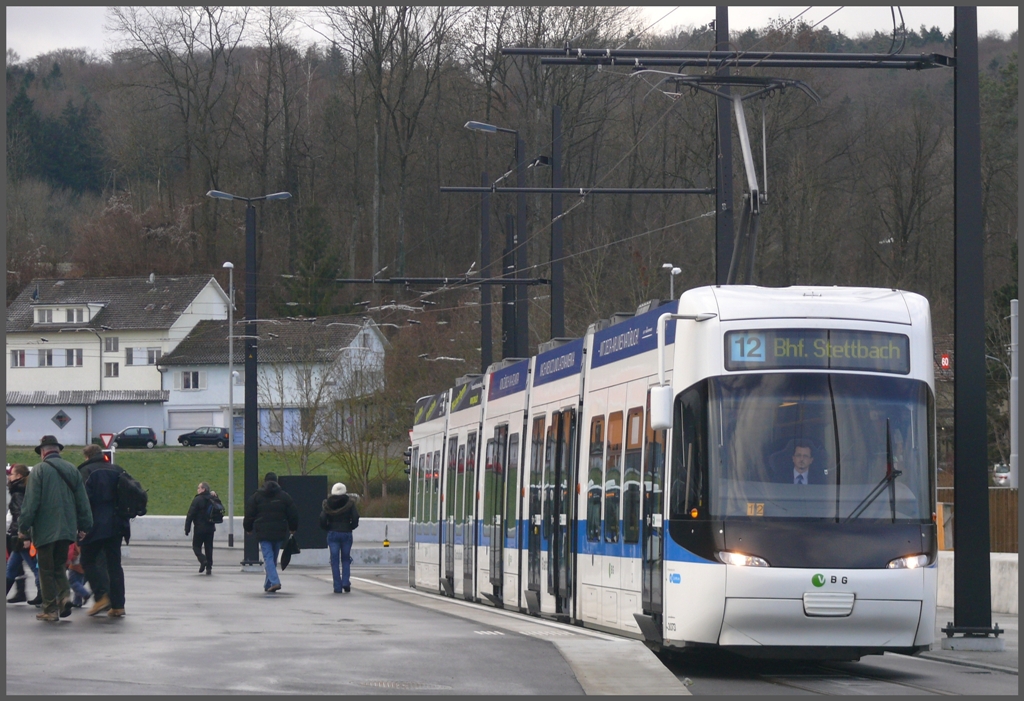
(75, 316)
(44, 316)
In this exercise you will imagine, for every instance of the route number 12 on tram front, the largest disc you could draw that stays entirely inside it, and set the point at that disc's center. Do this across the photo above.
(747, 348)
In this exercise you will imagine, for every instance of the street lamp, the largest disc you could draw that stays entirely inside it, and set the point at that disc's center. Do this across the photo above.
(231, 403)
(522, 309)
(251, 555)
(672, 272)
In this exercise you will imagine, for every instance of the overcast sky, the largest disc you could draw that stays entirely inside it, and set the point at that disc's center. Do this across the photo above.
(35, 30)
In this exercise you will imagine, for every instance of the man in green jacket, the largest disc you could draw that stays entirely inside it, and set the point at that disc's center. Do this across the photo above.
(55, 512)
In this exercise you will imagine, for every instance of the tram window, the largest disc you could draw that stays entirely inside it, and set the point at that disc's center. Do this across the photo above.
(489, 459)
(435, 487)
(612, 478)
(654, 467)
(413, 479)
(423, 493)
(689, 454)
(449, 487)
(536, 468)
(631, 476)
(594, 475)
(469, 491)
(567, 440)
(548, 485)
(512, 488)
(460, 486)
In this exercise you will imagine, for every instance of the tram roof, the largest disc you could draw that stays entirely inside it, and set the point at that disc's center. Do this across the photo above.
(736, 302)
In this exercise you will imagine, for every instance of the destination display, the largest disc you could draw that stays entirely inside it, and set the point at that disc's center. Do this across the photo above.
(764, 349)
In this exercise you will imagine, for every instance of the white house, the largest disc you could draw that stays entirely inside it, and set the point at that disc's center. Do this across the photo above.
(302, 364)
(83, 352)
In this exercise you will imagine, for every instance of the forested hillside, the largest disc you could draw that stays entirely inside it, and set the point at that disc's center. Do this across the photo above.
(109, 160)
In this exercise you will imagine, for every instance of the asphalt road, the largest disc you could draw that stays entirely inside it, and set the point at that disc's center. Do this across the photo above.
(186, 633)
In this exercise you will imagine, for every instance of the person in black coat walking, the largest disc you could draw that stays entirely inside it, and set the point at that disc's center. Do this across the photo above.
(199, 517)
(339, 517)
(271, 514)
(101, 547)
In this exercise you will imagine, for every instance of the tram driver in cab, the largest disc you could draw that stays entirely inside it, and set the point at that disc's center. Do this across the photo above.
(800, 469)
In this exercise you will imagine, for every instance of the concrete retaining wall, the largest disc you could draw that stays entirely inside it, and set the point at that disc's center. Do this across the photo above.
(368, 539)
(172, 528)
(1004, 581)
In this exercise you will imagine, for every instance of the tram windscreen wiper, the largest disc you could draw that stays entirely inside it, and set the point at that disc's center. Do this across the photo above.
(888, 481)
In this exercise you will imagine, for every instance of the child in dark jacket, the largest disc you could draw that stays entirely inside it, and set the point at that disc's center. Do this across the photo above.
(339, 517)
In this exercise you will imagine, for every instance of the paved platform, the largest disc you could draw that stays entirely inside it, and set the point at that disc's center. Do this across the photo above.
(186, 633)
(1004, 661)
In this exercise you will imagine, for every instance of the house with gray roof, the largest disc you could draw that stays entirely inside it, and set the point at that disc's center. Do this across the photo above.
(303, 364)
(83, 353)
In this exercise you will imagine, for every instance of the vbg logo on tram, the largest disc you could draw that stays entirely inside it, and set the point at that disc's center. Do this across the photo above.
(819, 580)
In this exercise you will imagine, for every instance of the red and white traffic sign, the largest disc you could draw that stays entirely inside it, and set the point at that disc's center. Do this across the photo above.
(106, 438)
(944, 361)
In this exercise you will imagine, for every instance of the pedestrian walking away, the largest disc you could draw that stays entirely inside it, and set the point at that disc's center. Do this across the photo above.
(339, 517)
(101, 546)
(55, 512)
(201, 521)
(18, 551)
(271, 514)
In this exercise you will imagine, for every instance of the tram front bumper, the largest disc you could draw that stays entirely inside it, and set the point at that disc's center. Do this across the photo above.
(871, 623)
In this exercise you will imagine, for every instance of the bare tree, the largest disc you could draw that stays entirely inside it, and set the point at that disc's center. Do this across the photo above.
(186, 55)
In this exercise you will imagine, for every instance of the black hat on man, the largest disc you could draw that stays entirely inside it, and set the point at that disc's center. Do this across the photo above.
(270, 477)
(47, 440)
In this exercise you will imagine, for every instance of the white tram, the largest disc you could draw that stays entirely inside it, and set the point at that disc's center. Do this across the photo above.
(755, 472)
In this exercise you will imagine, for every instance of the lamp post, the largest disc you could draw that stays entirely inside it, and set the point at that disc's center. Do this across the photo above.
(522, 324)
(251, 555)
(231, 403)
(672, 272)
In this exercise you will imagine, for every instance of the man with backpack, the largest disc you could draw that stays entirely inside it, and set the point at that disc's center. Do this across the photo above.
(205, 513)
(101, 546)
(55, 512)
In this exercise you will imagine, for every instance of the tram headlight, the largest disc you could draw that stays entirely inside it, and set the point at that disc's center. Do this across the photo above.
(741, 560)
(908, 562)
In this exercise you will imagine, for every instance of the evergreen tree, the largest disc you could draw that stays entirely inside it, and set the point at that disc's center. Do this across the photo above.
(312, 289)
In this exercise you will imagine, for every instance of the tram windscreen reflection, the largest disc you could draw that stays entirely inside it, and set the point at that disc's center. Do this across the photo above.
(820, 446)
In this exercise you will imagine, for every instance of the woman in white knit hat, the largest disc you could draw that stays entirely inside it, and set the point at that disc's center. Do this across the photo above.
(339, 517)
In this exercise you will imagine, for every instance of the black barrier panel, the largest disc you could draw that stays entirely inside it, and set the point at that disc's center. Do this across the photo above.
(308, 493)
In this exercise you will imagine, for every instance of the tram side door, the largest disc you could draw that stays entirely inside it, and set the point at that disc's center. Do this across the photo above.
(563, 484)
(496, 499)
(449, 499)
(469, 520)
(534, 515)
(653, 529)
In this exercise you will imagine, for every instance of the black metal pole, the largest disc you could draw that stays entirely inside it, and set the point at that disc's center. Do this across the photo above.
(972, 596)
(485, 271)
(557, 269)
(522, 297)
(252, 440)
(508, 298)
(724, 229)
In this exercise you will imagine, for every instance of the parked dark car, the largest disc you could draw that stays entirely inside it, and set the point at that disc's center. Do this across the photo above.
(207, 435)
(135, 437)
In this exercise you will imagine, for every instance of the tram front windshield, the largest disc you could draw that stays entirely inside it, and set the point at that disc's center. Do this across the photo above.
(806, 446)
